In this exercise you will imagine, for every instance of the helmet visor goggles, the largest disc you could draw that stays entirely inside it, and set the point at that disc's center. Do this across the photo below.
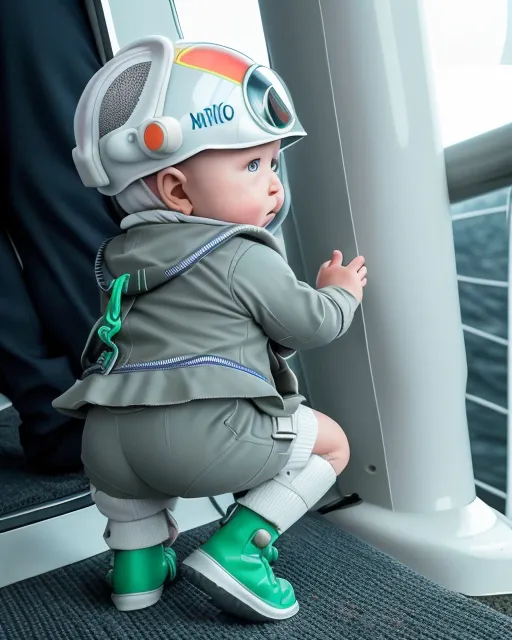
(268, 100)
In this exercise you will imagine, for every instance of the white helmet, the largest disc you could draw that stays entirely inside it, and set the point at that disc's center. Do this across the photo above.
(154, 105)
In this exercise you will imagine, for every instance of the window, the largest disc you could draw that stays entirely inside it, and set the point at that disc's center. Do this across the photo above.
(470, 47)
(233, 23)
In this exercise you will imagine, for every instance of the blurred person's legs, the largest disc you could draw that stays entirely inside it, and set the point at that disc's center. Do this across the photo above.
(30, 376)
(48, 54)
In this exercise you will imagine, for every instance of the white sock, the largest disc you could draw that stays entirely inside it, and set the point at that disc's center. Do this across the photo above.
(287, 497)
(141, 534)
(136, 524)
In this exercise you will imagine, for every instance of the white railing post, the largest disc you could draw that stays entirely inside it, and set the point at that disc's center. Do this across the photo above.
(508, 508)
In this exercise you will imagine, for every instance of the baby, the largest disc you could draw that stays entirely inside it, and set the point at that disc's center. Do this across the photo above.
(186, 389)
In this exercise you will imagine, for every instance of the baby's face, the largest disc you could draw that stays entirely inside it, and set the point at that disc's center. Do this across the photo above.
(239, 186)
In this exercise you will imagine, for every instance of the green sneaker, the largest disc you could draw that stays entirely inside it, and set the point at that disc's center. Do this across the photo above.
(137, 577)
(233, 568)
(270, 553)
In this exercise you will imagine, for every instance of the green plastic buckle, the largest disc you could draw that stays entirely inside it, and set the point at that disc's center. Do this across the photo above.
(112, 324)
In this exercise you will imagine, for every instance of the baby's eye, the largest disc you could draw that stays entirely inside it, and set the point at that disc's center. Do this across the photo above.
(274, 165)
(254, 165)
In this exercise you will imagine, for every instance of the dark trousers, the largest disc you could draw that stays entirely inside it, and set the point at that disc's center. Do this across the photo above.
(47, 54)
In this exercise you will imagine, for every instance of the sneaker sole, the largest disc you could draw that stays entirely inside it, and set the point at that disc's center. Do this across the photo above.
(227, 593)
(133, 601)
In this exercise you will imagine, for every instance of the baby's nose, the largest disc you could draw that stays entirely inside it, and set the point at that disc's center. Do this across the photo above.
(275, 185)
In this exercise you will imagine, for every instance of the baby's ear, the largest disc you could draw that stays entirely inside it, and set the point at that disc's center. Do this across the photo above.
(170, 183)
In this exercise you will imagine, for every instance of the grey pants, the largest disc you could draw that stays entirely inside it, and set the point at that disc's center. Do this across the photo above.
(197, 449)
(138, 461)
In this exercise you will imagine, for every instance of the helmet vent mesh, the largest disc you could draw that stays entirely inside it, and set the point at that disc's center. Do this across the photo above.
(122, 97)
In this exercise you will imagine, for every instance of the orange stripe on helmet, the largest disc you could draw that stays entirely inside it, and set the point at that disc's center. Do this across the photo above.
(225, 63)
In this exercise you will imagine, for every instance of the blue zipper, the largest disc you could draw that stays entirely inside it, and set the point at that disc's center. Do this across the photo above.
(186, 263)
(186, 361)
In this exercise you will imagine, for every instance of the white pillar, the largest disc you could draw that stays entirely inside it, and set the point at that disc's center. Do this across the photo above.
(370, 179)
(508, 503)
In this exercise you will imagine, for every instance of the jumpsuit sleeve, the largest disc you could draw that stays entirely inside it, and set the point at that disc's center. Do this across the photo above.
(289, 311)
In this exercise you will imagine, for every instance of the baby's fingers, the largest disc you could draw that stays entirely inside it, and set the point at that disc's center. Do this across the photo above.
(362, 272)
(337, 258)
(357, 263)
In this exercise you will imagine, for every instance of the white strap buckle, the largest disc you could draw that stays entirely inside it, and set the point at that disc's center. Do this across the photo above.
(284, 429)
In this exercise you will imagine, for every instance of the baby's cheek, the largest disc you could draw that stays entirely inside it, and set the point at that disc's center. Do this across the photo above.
(237, 210)
(253, 210)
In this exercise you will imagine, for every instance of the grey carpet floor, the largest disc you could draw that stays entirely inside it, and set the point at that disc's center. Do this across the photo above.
(347, 591)
(20, 488)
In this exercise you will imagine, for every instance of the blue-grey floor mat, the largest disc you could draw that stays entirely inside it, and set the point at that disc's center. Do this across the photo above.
(347, 591)
(20, 488)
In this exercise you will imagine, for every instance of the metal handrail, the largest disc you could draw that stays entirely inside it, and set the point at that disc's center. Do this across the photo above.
(485, 335)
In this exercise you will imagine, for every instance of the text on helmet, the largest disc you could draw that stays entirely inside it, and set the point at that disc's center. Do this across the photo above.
(210, 116)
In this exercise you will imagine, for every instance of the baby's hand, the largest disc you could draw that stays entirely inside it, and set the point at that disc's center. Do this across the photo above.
(352, 277)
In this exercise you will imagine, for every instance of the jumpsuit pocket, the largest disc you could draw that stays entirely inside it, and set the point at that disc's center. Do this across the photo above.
(253, 457)
(120, 411)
